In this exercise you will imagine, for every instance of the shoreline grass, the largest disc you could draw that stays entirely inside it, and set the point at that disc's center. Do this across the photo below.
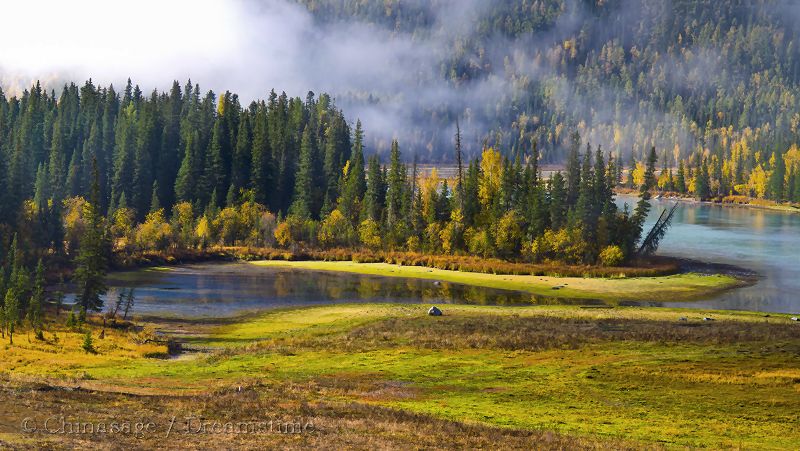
(678, 287)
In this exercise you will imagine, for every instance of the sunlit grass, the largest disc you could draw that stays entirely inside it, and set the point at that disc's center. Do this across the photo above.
(623, 372)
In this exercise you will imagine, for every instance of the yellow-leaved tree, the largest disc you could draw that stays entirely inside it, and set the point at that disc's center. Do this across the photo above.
(335, 230)
(429, 187)
(757, 183)
(154, 232)
(491, 174)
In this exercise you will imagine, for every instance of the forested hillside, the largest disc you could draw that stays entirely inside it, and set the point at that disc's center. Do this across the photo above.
(684, 76)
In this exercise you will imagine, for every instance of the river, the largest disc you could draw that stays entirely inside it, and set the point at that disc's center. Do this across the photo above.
(765, 241)
(227, 289)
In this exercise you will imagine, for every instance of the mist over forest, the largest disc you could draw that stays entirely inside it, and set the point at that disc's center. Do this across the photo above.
(625, 74)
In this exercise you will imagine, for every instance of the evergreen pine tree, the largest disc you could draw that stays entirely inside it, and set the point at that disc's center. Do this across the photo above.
(88, 343)
(213, 178)
(558, 201)
(354, 182)
(777, 177)
(11, 312)
(35, 318)
(41, 193)
(702, 183)
(396, 186)
(573, 172)
(459, 189)
(304, 181)
(241, 163)
(376, 190)
(187, 174)
(91, 262)
(643, 205)
(261, 159)
(680, 179)
(155, 203)
(471, 199)
(797, 183)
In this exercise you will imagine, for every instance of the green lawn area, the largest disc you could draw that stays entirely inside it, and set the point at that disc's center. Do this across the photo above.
(634, 373)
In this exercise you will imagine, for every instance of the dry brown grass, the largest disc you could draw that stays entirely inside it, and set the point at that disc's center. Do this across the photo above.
(537, 333)
(336, 425)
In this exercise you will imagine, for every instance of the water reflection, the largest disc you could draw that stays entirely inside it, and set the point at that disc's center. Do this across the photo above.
(216, 290)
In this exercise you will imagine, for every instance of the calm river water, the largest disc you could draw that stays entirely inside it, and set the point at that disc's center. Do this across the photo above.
(225, 289)
(764, 241)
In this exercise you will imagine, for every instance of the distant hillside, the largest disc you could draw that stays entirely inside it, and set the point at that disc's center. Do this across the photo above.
(626, 74)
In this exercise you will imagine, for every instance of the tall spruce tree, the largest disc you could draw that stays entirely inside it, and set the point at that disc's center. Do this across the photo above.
(643, 205)
(395, 186)
(777, 177)
(262, 168)
(354, 183)
(92, 262)
(376, 190)
(702, 185)
(303, 205)
(573, 171)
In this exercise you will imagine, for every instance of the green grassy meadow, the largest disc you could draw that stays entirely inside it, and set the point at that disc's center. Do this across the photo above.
(617, 377)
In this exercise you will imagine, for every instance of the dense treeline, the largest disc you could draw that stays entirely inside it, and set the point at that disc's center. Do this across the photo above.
(169, 156)
(687, 76)
(93, 172)
(160, 149)
(737, 176)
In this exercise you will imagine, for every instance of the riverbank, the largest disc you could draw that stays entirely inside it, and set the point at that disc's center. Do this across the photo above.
(724, 201)
(390, 376)
(651, 266)
(685, 286)
(659, 279)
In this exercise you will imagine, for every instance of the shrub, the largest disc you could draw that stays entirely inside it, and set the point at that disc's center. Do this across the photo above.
(122, 222)
(565, 246)
(612, 256)
(283, 236)
(370, 234)
(508, 233)
(183, 224)
(296, 230)
(433, 238)
(155, 232)
(479, 242)
(230, 227)
(413, 244)
(334, 230)
(204, 231)
(266, 230)
(88, 344)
